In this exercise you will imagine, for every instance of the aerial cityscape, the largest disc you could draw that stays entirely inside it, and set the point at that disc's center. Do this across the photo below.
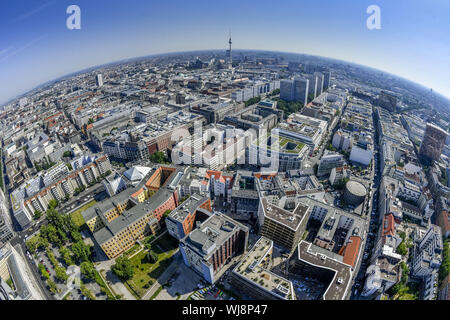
(225, 174)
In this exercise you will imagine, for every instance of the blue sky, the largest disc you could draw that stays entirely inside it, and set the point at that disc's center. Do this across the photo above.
(36, 46)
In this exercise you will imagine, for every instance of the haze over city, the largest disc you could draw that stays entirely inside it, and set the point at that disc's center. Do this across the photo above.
(36, 46)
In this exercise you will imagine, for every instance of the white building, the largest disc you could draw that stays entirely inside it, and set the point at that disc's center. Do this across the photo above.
(342, 140)
(361, 156)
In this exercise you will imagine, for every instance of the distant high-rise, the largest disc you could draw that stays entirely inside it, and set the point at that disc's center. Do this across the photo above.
(387, 101)
(432, 144)
(312, 90)
(99, 80)
(320, 81)
(294, 90)
(326, 80)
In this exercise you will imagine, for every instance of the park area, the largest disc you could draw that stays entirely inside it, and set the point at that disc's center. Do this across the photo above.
(145, 272)
(77, 216)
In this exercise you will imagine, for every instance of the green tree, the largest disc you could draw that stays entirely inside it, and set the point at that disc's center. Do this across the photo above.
(61, 274)
(444, 270)
(166, 213)
(37, 214)
(52, 204)
(88, 270)
(86, 292)
(52, 286)
(76, 236)
(123, 268)
(44, 272)
(152, 257)
(158, 157)
(66, 254)
(252, 101)
(401, 249)
(50, 233)
(81, 251)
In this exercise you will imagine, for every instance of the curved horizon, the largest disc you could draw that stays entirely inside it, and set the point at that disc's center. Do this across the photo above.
(123, 61)
(37, 47)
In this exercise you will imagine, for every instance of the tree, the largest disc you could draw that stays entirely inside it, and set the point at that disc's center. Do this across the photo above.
(86, 292)
(37, 166)
(67, 154)
(166, 213)
(37, 214)
(88, 270)
(81, 251)
(401, 249)
(51, 234)
(43, 271)
(445, 266)
(123, 269)
(90, 120)
(61, 274)
(76, 236)
(252, 101)
(52, 286)
(52, 204)
(69, 166)
(66, 255)
(158, 157)
(152, 257)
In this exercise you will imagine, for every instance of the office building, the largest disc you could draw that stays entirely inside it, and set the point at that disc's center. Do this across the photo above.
(282, 226)
(181, 221)
(252, 276)
(432, 144)
(99, 80)
(118, 222)
(388, 101)
(427, 252)
(320, 82)
(329, 161)
(326, 80)
(213, 244)
(295, 90)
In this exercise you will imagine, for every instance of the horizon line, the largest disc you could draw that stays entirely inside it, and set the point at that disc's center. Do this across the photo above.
(94, 67)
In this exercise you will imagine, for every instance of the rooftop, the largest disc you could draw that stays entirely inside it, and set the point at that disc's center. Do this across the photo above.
(289, 219)
(254, 268)
(340, 284)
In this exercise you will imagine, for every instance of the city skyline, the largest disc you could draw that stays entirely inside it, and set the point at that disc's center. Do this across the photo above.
(38, 35)
(156, 159)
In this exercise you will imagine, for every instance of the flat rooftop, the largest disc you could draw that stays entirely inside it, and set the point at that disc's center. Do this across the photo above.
(340, 284)
(290, 219)
(187, 207)
(211, 234)
(254, 269)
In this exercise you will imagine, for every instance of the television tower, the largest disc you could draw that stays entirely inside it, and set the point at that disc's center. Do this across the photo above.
(230, 54)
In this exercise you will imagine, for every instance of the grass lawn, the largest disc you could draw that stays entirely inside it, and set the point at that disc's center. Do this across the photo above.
(146, 273)
(132, 250)
(77, 216)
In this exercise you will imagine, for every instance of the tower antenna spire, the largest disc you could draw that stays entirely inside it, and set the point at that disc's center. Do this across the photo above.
(230, 54)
